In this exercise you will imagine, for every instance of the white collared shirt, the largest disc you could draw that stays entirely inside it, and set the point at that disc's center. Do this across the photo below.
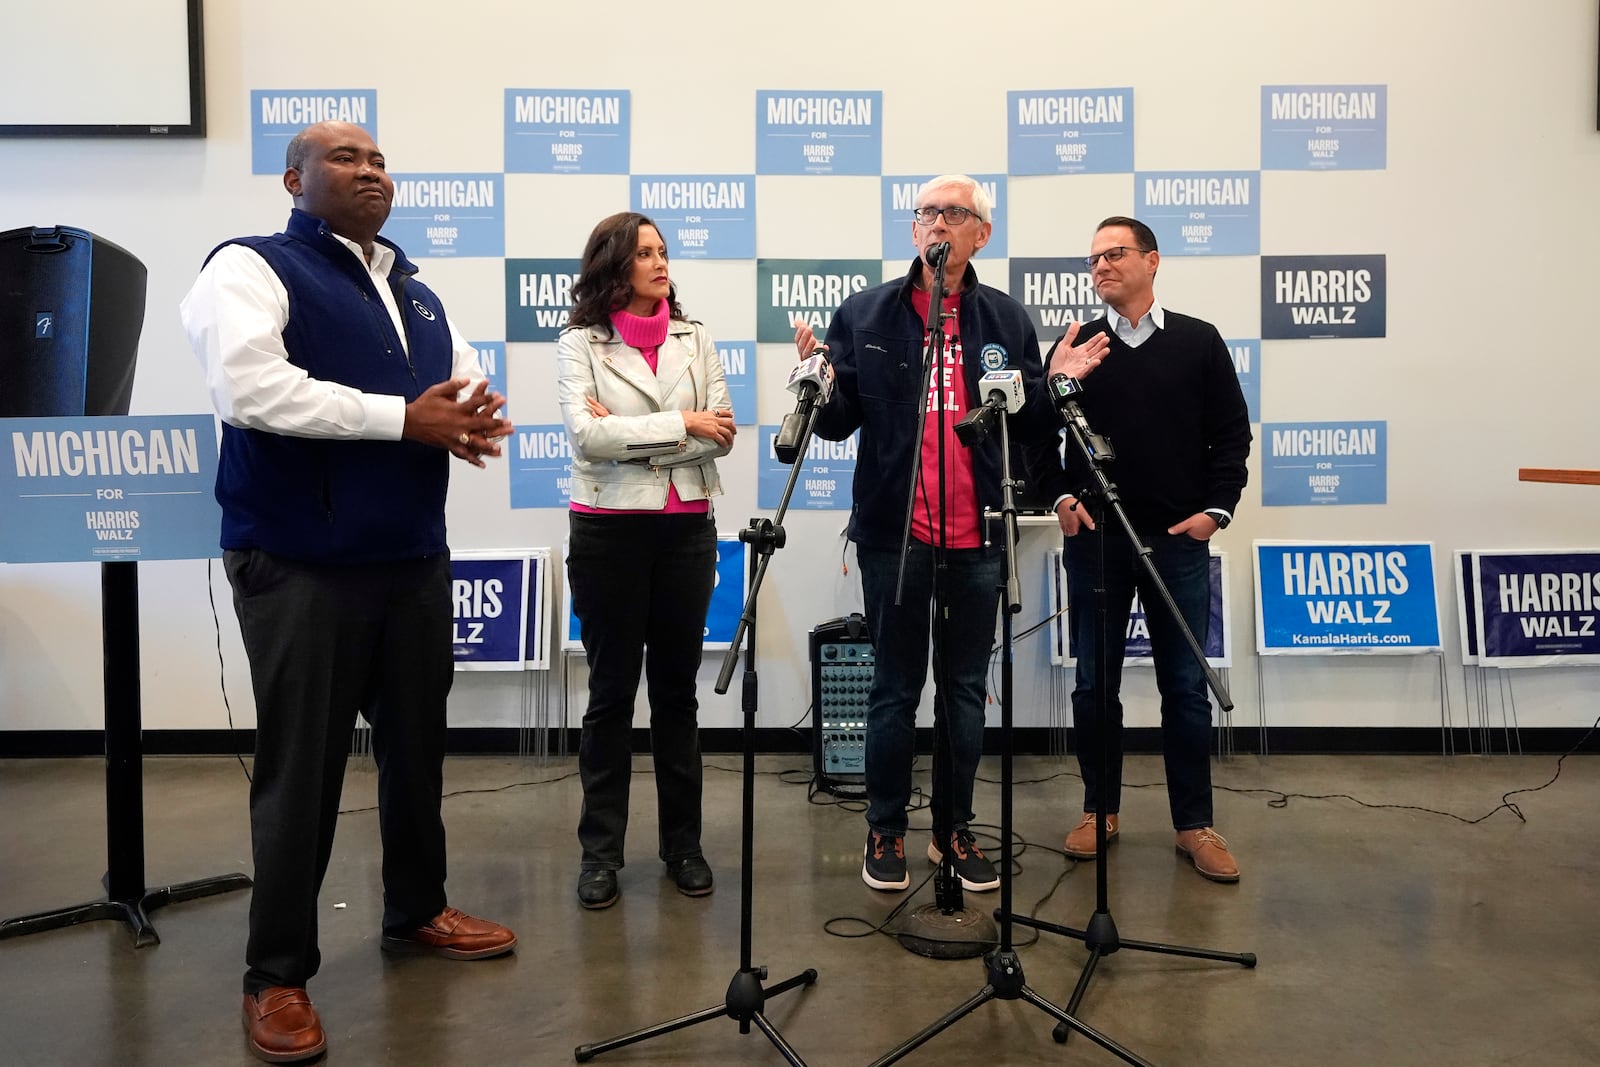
(1134, 336)
(235, 314)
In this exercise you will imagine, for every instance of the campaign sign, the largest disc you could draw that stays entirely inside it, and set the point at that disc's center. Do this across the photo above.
(1323, 296)
(489, 596)
(1324, 463)
(1324, 127)
(728, 595)
(1138, 651)
(276, 115)
(539, 462)
(827, 471)
(1246, 356)
(1069, 131)
(567, 131)
(900, 196)
(790, 291)
(1057, 291)
(739, 371)
(1323, 597)
(802, 131)
(700, 216)
(106, 488)
(1201, 213)
(1537, 607)
(538, 297)
(1467, 606)
(536, 648)
(492, 356)
(448, 215)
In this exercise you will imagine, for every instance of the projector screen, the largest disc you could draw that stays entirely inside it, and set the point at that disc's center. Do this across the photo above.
(102, 68)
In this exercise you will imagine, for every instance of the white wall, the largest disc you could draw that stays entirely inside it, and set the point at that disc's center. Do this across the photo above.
(1485, 213)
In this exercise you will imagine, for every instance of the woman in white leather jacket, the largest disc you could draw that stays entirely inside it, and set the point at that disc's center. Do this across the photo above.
(647, 410)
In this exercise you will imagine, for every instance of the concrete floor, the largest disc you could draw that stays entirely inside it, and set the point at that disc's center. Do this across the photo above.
(1385, 936)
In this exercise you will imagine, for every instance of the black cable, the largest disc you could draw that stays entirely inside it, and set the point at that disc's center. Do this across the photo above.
(222, 674)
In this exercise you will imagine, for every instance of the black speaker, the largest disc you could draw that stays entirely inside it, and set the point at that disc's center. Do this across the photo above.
(841, 678)
(71, 309)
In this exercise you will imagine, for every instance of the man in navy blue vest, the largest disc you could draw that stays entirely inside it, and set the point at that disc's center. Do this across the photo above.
(343, 391)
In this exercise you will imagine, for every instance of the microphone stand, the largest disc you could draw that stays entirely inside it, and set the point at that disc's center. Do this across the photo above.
(746, 997)
(1002, 966)
(1100, 937)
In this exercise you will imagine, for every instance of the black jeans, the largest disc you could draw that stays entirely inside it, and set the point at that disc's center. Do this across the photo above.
(324, 642)
(641, 585)
(1184, 565)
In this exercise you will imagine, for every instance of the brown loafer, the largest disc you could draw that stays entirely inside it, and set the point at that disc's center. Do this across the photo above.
(1209, 853)
(283, 1026)
(454, 935)
(1080, 841)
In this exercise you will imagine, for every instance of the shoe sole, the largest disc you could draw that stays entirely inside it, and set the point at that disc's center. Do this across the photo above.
(602, 905)
(1111, 836)
(401, 947)
(882, 887)
(281, 1057)
(1227, 879)
(936, 857)
(706, 892)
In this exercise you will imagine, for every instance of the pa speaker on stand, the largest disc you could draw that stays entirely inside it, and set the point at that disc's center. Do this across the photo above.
(841, 679)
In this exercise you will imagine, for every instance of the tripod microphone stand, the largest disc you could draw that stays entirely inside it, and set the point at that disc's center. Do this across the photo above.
(1101, 937)
(1002, 966)
(746, 996)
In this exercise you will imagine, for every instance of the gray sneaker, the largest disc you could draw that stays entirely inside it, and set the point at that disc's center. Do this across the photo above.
(976, 872)
(884, 866)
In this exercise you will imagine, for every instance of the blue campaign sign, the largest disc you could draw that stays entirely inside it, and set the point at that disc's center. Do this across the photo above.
(100, 489)
(448, 215)
(276, 115)
(567, 131)
(1467, 605)
(1069, 131)
(701, 216)
(727, 597)
(1323, 296)
(1322, 597)
(1246, 355)
(1537, 608)
(1324, 463)
(1324, 127)
(791, 291)
(490, 596)
(539, 463)
(536, 648)
(1201, 213)
(827, 472)
(492, 354)
(821, 131)
(739, 370)
(538, 297)
(900, 196)
(1057, 291)
(1138, 650)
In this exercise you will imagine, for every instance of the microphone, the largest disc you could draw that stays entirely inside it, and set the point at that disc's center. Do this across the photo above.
(935, 255)
(1064, 392)
(811, 382)
(1002, 393)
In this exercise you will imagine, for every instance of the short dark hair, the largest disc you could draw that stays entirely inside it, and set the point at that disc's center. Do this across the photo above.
(1143, 234)
(294, 156)
(603, 283)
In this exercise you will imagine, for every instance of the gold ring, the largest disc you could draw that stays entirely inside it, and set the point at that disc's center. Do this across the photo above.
(464, 438)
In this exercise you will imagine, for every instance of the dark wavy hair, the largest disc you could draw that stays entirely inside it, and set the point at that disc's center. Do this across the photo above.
(603, 286)
(1143, 234)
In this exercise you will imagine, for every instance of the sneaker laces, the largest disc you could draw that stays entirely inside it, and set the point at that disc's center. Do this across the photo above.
(962, 843)
(878, 841)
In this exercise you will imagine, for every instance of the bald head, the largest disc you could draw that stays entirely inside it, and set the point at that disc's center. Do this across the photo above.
(336, 172)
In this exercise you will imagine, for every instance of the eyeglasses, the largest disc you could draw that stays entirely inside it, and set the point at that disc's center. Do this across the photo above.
(953, 216)
(1111, 255)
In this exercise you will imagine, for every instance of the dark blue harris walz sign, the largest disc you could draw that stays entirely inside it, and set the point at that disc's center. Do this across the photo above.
(1138, 652)
(489, 600)
(1323, 297)
(1537, 608)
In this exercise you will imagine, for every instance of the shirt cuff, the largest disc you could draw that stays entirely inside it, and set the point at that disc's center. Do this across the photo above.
(386, 416)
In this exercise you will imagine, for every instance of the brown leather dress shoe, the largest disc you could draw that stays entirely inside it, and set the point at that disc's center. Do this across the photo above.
(1209, 853)
(454, 935)
(283, 1026)
(1080, 840)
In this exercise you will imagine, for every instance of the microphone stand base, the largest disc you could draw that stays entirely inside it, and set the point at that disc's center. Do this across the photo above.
(958, 935)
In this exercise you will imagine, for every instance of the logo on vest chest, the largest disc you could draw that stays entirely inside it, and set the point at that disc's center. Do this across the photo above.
(421, 310)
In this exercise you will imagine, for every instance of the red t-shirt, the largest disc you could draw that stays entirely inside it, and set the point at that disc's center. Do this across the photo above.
(959, 503)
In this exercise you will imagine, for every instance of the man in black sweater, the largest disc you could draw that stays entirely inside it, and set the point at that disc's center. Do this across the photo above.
(1168, 399)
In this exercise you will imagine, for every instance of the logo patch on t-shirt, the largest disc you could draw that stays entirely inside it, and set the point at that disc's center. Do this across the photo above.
(993, 357)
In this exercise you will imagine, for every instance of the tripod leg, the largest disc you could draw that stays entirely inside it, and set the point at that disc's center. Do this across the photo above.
(585, 1053)
(1244, 959)
(805, 977)
(983, 996)
(1065, 1019)
(777, 1040)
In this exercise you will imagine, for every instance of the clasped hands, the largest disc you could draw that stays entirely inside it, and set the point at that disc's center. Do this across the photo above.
(468, 427)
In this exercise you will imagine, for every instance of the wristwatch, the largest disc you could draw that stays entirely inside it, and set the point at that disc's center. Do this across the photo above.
(1219, 517)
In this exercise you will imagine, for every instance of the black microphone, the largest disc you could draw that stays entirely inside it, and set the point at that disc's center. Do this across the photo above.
(934, 255)
(1064, 393)
(1002, 392)
(811, 383)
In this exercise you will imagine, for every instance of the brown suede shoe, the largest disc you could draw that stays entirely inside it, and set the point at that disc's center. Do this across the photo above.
(1080, 841)
(454, 935)
(1209, 853)
(283, 1026)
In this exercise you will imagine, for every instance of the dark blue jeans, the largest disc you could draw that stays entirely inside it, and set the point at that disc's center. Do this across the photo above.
(641, 585)
(900, 641)
(1184, 566)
